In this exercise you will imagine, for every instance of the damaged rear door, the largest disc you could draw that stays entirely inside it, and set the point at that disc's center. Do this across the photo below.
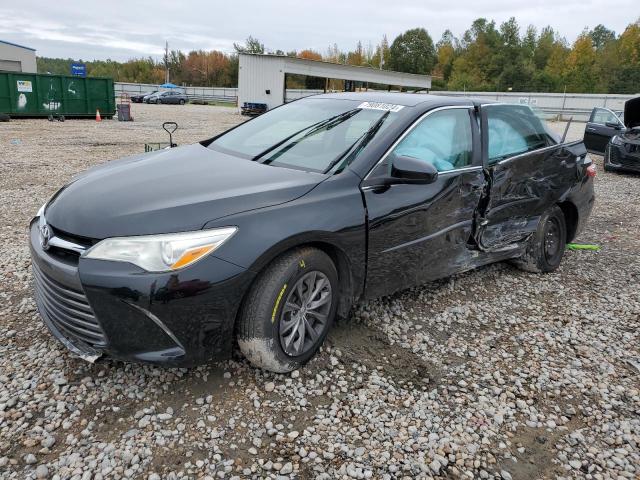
(528, 171)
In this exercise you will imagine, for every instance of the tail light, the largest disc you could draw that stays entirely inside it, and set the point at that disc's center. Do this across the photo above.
(591, 170)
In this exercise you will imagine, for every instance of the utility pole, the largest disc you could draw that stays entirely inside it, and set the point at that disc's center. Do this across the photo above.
(166, 62)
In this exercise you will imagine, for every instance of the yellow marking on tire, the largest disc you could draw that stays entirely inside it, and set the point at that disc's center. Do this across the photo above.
(275, 307)
(302, 264)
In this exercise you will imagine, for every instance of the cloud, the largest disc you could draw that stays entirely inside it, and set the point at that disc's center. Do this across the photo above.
(120, 30)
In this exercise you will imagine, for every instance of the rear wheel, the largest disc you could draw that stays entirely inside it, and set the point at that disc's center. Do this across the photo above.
(547, 245)
(289, 310)
(181, 102)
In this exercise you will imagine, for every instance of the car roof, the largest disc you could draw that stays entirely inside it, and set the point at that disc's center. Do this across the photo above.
(405, 99)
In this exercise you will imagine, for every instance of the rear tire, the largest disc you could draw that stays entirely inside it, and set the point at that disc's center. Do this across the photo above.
(546, 246)
(282, 324)
(181, 102)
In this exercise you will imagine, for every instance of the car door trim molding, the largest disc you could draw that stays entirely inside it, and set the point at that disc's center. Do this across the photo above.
(410, 129)
(529, 152)
(430, 236)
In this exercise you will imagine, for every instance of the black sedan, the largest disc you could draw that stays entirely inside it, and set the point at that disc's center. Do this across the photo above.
(617, 139)
(267, 232)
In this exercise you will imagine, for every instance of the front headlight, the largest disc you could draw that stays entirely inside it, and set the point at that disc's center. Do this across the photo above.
(161, 253)
(616, 140)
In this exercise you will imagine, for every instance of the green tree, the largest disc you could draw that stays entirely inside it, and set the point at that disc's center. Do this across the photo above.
(445, 54)
(252, 45)
(601, 36)
(412, 52)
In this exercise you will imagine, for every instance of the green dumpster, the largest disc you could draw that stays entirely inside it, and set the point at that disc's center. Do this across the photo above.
(40, 95)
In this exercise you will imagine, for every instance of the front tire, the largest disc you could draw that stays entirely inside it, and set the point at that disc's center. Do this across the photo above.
(547, 245)
(289, 310)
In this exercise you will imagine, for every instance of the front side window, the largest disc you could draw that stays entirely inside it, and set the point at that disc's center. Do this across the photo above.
(443, 139)
(310, 134)
(603, 116)
(514, 130)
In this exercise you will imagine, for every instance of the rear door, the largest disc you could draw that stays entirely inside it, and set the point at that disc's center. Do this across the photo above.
(602, 125)
(528, 172)
(417, 233)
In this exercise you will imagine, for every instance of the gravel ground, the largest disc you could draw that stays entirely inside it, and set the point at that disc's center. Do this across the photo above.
(494, 373)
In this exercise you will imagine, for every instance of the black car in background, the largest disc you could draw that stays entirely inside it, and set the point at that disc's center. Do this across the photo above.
(268, 231)
(139, 97)
(617, 139)
(168, 96)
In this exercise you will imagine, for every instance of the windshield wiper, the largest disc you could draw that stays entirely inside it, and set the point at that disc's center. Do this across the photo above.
(314, 128)
(360, 142)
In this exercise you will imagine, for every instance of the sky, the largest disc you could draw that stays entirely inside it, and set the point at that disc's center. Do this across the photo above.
(121, 30)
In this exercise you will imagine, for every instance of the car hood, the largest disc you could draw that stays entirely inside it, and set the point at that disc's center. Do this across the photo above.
(173, 190)
(632, 113)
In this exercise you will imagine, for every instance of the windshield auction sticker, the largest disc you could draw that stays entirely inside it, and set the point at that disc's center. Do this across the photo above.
(387, 107)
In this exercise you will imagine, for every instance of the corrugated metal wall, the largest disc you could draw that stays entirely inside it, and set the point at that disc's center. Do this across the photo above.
(261, 80)
(578, 105)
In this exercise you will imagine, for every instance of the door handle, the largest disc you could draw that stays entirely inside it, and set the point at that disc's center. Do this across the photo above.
(591, 129)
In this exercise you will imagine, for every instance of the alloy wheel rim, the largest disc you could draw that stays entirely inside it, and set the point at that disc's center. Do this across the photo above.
(305, 313)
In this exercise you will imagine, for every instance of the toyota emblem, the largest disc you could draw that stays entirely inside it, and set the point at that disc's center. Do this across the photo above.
(45, 236)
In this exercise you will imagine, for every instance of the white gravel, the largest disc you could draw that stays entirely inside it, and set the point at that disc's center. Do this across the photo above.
(494, 373)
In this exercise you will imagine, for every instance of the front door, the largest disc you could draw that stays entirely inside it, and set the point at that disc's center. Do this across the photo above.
(418, 233)
(602, 125)
(528, 171)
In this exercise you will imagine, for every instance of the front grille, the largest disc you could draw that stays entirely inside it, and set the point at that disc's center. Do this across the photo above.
(68, 309)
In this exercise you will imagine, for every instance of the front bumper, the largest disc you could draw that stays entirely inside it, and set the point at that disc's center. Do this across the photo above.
(97, 307)
(616, 157)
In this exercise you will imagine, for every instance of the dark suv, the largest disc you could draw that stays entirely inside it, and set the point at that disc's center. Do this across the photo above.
(266, 232)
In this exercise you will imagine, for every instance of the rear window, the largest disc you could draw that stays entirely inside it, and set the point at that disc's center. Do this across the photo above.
(514, 130)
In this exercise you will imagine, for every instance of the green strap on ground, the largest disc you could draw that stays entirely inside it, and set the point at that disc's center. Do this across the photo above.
(582, 246)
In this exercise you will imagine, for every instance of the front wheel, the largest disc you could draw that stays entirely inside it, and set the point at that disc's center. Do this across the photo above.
(546, 246)
(289, 310)
(181, 102)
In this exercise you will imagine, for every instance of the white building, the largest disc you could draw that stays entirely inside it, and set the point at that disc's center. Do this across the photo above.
(261, 78)
(16, 58)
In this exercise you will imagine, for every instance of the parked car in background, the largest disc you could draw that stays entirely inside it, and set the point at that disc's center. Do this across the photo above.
(266, 232)
(168, 96)
(145, 99)
(622, 152)
(139, 97)
(602, 125)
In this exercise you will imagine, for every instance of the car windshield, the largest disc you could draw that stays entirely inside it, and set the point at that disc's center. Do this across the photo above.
(311, 134)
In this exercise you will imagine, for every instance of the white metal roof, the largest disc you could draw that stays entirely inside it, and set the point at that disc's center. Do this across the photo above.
(16, 45)
(317, 68)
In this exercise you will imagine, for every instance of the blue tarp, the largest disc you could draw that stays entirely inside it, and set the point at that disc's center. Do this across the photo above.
(168, 85)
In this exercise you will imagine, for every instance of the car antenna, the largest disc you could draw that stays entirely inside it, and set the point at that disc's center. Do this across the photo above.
(566, 129)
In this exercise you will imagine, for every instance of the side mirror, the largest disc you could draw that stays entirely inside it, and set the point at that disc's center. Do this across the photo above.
(412, 170)
(615, 125)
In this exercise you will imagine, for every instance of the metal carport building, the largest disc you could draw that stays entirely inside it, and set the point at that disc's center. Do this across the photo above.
(261, 78)
(16, 58)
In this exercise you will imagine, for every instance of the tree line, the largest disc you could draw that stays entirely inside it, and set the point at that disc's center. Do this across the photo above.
(486, 57)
